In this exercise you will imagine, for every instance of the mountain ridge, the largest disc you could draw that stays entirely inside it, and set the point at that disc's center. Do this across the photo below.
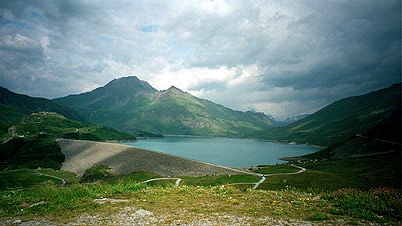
(170, 111)
(27, 104)
(341, 119)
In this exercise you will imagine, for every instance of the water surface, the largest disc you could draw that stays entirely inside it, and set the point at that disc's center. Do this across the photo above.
(225, 151)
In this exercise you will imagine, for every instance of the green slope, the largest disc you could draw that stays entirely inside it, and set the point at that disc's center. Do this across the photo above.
(341, 119)
(382, 139)
(9, 116)
(28, 105)
(52, 125)
(31, 143)
(130, 105)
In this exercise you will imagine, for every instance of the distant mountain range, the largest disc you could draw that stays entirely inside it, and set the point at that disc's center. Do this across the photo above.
(129, 104)
(355, 127)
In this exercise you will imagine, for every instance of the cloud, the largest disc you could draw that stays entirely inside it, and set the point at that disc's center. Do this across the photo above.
(283, 58)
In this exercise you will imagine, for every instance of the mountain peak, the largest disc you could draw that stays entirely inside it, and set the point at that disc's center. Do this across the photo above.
(118, 93)
(130, 82)
(174, 88)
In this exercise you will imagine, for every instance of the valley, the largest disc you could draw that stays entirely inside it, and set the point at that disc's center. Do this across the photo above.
(172, 111)
(58, 159)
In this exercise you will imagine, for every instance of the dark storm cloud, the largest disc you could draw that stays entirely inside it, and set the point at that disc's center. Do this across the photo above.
(282, 57)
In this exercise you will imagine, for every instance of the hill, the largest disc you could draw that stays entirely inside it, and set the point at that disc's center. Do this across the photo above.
(31, 142)
(382, 139)
(130, 105)
(341, 119)
(52, 125)
(9, 116)
(28, 105)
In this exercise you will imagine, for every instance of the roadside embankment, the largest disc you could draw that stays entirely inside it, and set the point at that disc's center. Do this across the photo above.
(123, 159)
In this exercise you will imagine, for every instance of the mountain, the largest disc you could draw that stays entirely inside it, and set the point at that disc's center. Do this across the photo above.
(130, 105)
(341, 119)
(31, 142)
(52, 125)
(120, 95)
(28, 116)
(292, 119)
(27, 105)
(9, 116)
(380, 140)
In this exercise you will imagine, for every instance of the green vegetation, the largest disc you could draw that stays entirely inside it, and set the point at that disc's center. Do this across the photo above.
(31, 154)
(25, 178)
(357, 178)
(377, 205)
(219, 180)
(361, 173)
(9, 116)
(27, 105)
(96, 173)
(274, 169)
(52, 125)
(128, 103)
(197, 196)
(145, 134)
(32, 142)
(310, 180)
(341, 119)
(372, 171)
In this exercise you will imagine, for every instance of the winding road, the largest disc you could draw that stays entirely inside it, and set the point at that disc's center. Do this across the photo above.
(263, 178)
(47, 175)
(177, 183)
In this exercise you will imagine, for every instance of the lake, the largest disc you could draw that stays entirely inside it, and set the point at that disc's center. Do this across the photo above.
(225, 151)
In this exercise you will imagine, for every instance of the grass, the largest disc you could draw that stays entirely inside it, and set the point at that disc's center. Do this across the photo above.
(219, 180)
(274, 169)
(326, 192)
(30, 153)
(194, 201)
(63, 204)
(25, 178)
(96, 173)
(54, 125)
(376, 171)
(377, 205)
(329, 175)
(308, 181)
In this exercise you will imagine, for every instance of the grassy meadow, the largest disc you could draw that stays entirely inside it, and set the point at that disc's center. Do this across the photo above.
(317, 195)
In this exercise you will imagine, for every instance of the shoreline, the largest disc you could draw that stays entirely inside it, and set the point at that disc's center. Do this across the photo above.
(244, 138)
(123, 159)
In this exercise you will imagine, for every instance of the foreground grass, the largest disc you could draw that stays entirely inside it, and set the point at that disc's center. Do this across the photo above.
(63, 204)
(360, 173)
(330, 192)
(275, 169)
(25, 178)
(219, 180)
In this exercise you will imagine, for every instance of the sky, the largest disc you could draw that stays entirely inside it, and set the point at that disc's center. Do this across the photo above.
(283, 58)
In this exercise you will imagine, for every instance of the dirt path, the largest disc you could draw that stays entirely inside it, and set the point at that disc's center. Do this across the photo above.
(47, 175)
(264, 177)
(177, 183)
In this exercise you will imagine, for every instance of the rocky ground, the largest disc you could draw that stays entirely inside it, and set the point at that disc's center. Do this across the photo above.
(133, 216)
